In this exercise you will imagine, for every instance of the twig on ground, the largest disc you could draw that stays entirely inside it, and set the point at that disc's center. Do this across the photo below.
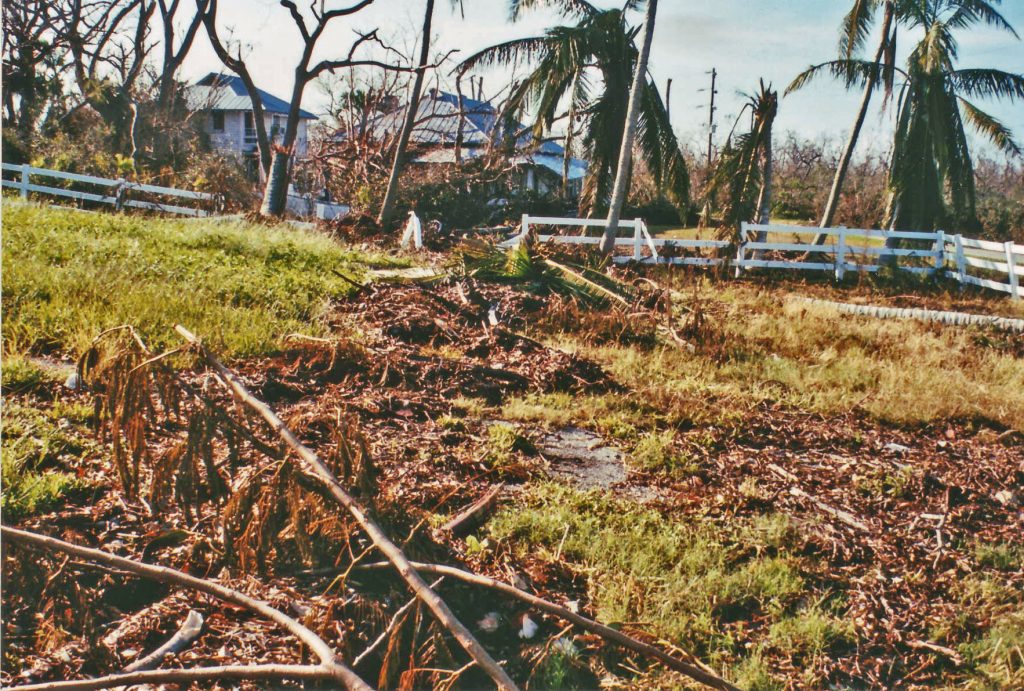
(391, 624)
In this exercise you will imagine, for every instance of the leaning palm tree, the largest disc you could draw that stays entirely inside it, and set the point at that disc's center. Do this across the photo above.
(567, 62)
(931, 177)
(855, 31)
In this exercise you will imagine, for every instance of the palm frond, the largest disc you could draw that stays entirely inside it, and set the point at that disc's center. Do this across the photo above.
(998, 133)
(856, 27)
(988, 83)
(520, 265)
(853, 73)
(971, 12)
(568, 8)
(513, 53)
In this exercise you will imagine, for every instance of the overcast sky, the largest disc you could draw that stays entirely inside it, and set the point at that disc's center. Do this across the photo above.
(743, 39)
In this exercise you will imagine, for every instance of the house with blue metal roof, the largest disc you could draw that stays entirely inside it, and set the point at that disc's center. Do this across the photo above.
(224, 103)
(541, 164)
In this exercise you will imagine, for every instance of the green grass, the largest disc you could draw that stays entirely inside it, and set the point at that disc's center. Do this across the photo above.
(68, 275)
(683, 580)
(36, 445)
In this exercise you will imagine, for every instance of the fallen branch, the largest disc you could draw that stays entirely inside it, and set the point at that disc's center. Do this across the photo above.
(329, 667)
(695, 670)
(376, 534)
(843, 516)
(183, 637)
(471, 516)
(187, 676)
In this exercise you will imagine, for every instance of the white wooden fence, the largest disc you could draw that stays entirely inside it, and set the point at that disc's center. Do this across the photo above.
(117, 193)
(847, 249)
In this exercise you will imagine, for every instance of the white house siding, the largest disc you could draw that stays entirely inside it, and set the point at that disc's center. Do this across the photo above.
(233, 137)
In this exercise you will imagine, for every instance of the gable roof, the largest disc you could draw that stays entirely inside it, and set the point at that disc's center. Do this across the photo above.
(217, 91)
(437, 120)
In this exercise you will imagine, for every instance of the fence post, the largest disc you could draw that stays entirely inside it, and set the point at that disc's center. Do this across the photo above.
(119, 194)
(1011, 268)
(940, 251)
(524, 227)
(636, 241)
(24, 180)
(740, 248)
(841, 255)
(961, 261)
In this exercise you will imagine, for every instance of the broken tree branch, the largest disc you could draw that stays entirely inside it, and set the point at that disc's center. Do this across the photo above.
(329, 666)
(395, 619)
(395, 555)
(695, 670)
(472, 515)
(186, 676)
(182, 638)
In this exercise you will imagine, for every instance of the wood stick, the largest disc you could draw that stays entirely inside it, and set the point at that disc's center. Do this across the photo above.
(186, 676)
(376, 534)
(324, 652)
(182, 638)
(472, 514)
(843, 516)
(695, 671)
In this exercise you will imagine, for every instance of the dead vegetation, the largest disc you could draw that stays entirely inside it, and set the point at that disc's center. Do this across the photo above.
(777, 545)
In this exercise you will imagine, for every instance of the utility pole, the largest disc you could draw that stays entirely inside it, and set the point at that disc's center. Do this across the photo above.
(711, 115)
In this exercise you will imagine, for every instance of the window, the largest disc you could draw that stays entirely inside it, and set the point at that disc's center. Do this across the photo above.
(218, 121)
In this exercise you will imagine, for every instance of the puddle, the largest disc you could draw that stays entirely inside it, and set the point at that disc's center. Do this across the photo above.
(582, 458)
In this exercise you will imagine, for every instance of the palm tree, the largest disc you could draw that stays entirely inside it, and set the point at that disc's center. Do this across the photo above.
(628, 137)
(854, 33)
(567, 61)
(743, 172)
(931, 177)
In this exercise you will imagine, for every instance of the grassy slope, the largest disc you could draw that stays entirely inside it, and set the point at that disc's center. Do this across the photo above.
(68, 275)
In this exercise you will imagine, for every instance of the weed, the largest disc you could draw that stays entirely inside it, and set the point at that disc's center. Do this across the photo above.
(19, 375)
(998, 656)
(656, 452)
(999, 555)
(505, 445)
(810, 633)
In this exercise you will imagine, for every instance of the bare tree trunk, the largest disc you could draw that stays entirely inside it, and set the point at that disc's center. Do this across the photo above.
(567, 157)
(632, 115)
(460, 124)
(387, 208)
(276, 192)
(844, 163)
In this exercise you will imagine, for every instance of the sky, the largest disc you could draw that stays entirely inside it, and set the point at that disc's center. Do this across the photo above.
(744, 40)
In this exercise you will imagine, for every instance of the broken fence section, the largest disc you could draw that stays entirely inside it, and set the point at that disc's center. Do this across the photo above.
(119, 193)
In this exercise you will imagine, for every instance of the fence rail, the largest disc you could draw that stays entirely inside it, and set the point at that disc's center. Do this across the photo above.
(120, 195)
(845, 250)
